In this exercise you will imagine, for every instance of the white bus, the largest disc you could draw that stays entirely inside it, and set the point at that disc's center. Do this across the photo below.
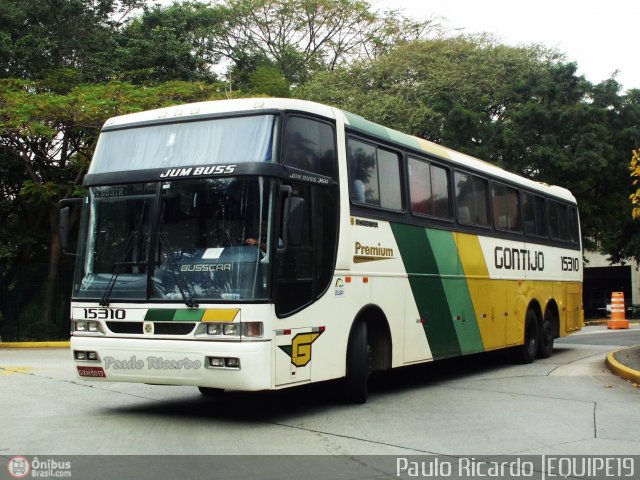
(260, 244)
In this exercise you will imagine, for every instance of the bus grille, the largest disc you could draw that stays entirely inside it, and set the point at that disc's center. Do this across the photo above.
(159, 328)
(173, 328)
(125, 327)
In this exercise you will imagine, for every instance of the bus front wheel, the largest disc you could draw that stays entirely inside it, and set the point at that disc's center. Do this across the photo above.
(357, 377)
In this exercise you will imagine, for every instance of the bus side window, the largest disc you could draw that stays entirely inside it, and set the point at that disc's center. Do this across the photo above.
(506, 207)
(429, 189)
(310, 145)
(471, 199)
(375, 175)
(534, 211)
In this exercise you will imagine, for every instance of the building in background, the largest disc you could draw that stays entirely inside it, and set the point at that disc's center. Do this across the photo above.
(601, 278)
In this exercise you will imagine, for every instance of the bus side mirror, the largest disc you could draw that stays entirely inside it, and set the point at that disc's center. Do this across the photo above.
(293, 222)
(63, 223)
(63, 228)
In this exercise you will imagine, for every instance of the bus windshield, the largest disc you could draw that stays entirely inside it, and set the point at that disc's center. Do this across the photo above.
(205, 142)
(183, 241)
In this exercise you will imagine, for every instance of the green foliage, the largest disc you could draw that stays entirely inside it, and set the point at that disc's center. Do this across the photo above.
(40, 36)
(269, 81)
(303, 37)
(172, 43)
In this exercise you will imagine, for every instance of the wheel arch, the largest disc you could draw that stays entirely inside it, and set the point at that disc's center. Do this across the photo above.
(378, 335)
(534, 305)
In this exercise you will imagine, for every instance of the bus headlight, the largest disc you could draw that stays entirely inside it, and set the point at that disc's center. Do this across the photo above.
(223, 362)
(85, 356)
(244, 329)
(87, 326)
(214, 329)
(81, 326)
(231, 329)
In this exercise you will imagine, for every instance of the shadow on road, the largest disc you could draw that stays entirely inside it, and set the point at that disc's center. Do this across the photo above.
(278, 406)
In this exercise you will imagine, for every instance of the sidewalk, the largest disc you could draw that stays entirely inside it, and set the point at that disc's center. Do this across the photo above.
(626, 363)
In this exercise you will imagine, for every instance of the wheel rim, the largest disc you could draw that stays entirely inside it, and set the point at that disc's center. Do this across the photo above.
(531, 340)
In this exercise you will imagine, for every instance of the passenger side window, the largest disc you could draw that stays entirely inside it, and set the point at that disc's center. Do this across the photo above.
(558, 221)
(375, 175)
(429, 189)
(535, 218)
(506, 208)
(471, 199)
(574, 225)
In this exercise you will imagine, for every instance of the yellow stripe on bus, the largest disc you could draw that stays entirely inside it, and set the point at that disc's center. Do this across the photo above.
(220, 314)
(488, 296)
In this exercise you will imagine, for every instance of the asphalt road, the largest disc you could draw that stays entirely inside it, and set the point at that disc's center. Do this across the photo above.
(480, 405)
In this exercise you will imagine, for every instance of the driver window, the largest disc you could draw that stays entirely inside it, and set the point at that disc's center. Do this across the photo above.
(310, 145)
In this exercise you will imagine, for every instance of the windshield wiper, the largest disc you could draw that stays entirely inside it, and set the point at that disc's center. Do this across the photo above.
(104, 301)
(185, 289)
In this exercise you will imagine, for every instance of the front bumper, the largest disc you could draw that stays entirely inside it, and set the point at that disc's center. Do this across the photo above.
(175, 362)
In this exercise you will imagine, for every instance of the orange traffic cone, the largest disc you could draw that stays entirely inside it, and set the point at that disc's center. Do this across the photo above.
(617, 320)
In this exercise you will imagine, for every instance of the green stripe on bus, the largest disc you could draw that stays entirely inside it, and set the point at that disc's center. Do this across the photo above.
(160, 314)
(428, 289)
(188, 315)
(456, 290)
(371, 128)
(366, 126)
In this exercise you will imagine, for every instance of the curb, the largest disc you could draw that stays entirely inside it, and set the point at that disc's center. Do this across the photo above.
(34, 344)
(621, 370)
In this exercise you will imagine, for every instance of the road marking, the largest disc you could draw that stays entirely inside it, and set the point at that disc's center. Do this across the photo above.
(10, 370)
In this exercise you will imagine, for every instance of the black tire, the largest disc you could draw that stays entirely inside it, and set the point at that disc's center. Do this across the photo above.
(545, 348)
(526, 353)
(357, 377)
(211, 392)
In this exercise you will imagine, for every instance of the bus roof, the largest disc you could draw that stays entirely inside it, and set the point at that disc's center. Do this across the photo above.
(356, 122)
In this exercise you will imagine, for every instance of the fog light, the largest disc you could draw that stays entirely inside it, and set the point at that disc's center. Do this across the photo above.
(252, 329)
(81, 355)
(216, 362)
(232, 362)
(231, 329)
(214, 329)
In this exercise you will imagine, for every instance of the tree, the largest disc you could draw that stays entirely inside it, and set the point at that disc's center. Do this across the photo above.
(51, 137)
(41, 36)
(300, 37)
(171, 43)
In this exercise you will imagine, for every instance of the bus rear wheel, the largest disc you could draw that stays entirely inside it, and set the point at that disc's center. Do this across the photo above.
(526, 353)
(545, 349)
(357, 377)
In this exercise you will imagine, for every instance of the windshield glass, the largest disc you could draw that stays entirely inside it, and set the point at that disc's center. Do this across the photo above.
(211, 241)
(119, 225)
(205, 142)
